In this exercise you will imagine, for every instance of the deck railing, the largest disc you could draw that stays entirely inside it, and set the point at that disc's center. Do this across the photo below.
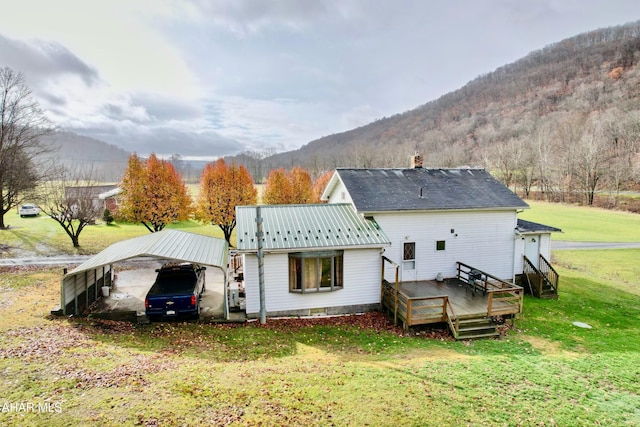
(452, 319)
(549, 272)
(537, 278)
(414, 311)
(504, 297)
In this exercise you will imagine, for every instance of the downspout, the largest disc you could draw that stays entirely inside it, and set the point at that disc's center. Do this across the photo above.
(263, 308)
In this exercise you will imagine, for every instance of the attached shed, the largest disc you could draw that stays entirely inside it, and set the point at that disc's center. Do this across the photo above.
(81, 286)
(317, 259)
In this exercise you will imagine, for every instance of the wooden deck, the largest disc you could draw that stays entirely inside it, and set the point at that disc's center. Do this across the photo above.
(467, 303)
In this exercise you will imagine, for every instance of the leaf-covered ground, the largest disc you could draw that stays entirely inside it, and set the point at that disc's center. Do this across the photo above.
(355, 370)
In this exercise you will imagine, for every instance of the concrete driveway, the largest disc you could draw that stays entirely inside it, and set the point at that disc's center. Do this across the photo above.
(131, 286)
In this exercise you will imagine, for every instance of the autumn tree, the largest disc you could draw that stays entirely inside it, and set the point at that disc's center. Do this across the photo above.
(70, 200)
(319, 185)
(292, 187)
(153, 193)
(222, 188)
(22, 123)
(277, 189)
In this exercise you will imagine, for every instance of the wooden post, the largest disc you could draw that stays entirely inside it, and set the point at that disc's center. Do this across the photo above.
(490, 304)
(444, 308)
(407, 321)
(395, 311)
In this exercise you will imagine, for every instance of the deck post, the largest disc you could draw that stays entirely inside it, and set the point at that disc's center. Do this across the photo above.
(444, 307)
(407, 316)
(395, 310)
(490, 304)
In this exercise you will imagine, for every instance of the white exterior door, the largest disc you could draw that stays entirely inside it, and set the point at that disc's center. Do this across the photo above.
(409, 272)
(532, 248)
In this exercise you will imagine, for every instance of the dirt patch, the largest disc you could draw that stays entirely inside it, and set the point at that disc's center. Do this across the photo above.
(548, 347)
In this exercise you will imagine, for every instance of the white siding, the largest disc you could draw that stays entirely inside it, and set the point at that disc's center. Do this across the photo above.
(482, 239)
(340, 194)
(544, 250)
(361, 283)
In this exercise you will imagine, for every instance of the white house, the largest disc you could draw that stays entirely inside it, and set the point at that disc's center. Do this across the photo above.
(431, 223)
(318, 259)
(435, 218)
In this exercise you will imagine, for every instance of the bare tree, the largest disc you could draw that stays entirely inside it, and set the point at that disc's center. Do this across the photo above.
(22, 123)
(71, 201)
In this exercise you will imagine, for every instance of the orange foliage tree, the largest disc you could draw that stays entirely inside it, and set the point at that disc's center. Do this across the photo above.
(153, 193)
(320, 184)
(293, 187)
(222, 188)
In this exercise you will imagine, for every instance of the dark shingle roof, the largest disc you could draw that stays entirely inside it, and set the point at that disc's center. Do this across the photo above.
(378, 190)
(534, 227)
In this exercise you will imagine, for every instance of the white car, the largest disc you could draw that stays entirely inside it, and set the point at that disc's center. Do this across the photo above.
(29, 210)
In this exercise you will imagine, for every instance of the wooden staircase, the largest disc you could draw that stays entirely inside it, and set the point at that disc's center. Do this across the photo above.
(541, 281)
(475, 328)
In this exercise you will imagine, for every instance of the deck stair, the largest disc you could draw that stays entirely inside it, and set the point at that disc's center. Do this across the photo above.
(476, 327)
(542, 280)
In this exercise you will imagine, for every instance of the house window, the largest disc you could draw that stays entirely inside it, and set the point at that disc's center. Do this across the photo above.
(440, 245)
(315, 271)
(409, 256)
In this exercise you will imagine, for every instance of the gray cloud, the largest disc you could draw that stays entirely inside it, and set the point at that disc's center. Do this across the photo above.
(163, 140)
(41, 60)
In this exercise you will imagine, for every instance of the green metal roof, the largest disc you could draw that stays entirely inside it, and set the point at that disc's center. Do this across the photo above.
(169, 244)
(297, 227)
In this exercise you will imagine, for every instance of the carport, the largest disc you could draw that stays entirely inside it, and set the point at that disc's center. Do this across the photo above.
(82, 286)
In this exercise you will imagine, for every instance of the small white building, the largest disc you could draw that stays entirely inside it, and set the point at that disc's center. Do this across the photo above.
(318, 259)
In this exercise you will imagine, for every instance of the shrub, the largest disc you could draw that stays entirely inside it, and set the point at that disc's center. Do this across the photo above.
(107, 217)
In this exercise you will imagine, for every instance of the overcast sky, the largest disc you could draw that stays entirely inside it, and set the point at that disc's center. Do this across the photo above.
(212, 78)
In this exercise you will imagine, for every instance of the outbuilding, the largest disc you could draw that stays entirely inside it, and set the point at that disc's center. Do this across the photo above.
(82, 286)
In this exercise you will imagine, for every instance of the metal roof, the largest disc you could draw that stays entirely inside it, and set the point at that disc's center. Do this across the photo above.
(168, 244)
(297, 227)
(384, 190)
(533, 227)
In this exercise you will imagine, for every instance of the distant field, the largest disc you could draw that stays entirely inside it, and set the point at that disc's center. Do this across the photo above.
(585, 224)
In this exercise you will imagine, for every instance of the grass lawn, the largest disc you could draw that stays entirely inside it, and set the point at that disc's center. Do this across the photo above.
(43, 236)
(338, 371)
(585, 224)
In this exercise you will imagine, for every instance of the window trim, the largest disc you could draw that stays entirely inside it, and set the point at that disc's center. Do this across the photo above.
(336, 271)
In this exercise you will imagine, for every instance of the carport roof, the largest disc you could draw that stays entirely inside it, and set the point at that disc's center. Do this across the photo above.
(169, 244)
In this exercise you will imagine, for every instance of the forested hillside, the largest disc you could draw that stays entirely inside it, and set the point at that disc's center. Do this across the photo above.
(564, 120)
(73, 150)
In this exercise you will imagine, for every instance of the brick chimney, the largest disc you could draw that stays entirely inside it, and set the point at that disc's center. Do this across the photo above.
(416, 161)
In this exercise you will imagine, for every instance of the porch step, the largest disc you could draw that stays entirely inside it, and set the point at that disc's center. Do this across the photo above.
(476, 328)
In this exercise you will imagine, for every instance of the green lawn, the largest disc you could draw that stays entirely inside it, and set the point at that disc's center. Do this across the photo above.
(43, 236)
(339, 371)
(585, 224)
